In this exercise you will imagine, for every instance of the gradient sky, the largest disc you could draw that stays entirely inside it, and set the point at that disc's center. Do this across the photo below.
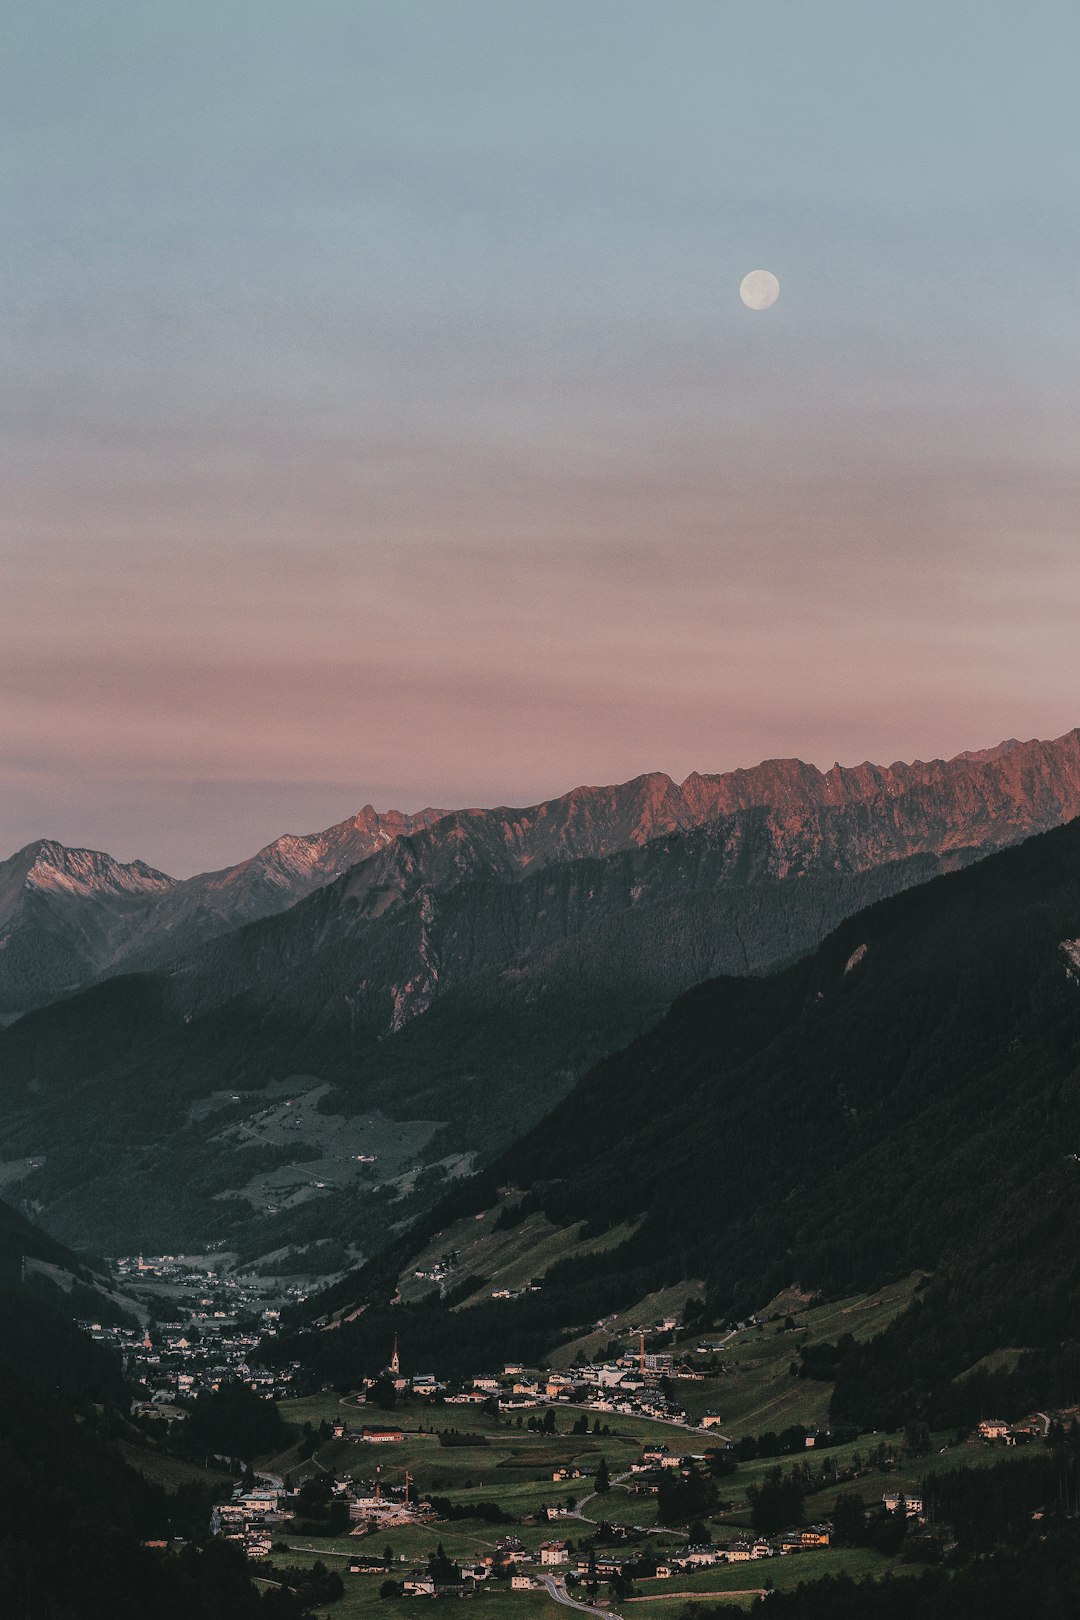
(379, 419)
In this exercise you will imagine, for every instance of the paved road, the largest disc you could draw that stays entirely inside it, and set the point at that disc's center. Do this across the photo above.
(556, 1588)
(576, 1513)
(1046, 1422)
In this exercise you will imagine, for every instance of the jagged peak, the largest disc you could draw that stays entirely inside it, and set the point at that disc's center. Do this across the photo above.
(46, 864)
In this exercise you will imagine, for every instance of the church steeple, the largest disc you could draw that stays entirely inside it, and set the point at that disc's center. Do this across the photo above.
(395, 1360)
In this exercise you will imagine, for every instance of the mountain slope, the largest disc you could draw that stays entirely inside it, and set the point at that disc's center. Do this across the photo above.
(63, 914)
(199, 908)
(74, 1517)
(465, 1011)
(69, 915)
(904, 1099)
(453, 985)
(977, 800)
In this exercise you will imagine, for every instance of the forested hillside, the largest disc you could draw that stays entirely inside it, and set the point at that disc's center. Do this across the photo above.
(73, 1516)
(473, 1007)
(444, 990)
(904, 1099)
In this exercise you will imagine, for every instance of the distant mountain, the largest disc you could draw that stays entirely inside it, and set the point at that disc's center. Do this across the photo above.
(69, 915)
(199, 908)
(904, 1099)
(64, 913)
(446, 990)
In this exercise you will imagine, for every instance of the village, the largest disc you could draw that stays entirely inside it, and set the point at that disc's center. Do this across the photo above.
(398, 1488)
(644, 1469)
(206, 1329)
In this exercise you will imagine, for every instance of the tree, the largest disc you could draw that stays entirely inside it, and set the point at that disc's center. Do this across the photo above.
(443, 1570)
(682, 1497)
(337, 1518)
(849, 1520)
(776, 1504)
(888, 1531)
(234, 1422)
(383, 1393)
(917, 1437)
(603, 1478)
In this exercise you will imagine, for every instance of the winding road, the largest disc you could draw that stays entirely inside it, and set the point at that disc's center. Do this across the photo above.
(556, 1588)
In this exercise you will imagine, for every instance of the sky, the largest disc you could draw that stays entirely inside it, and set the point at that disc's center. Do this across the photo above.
(379, 419)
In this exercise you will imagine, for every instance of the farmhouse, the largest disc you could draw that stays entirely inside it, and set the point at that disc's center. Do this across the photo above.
(912, 1505)
(815, 1535)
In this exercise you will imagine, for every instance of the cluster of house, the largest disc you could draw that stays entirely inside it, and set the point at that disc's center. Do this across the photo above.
(636, 1385)
(656, 1457)
(510, 1555)
(251, 1517)
(204, 1345)
(903, 1502)
(370, 1434)
(185, 1277)
(993, 1430)
(527, 1570)
(629, 1386)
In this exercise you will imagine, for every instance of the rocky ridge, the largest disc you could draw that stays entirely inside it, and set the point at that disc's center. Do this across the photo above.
(103, 917)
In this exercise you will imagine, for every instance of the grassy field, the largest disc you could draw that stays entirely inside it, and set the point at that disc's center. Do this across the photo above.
(754, 1389)
(662, 1598)
(361, 1601)
(749, 1382)
(623, 1325)
(505, 1259)
(655, 1599)
(900, 1473)
(171, 1472)
(513, 1469)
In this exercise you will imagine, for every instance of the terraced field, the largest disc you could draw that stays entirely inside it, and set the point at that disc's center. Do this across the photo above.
(749, 1381)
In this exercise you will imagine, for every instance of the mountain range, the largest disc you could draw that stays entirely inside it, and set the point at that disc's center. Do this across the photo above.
(902, 1100)
(300, 1051)
(69, 916)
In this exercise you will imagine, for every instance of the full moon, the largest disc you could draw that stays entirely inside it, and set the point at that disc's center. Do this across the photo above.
(759, 290)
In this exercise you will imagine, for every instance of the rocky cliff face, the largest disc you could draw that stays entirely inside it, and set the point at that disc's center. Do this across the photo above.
(63, 914)
(69, 915)
(767, 1132)
(467, 971)
(781, 819)
(200, 908)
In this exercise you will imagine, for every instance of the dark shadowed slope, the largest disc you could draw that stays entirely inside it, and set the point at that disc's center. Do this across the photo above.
(67, 916)
(454, 984)
(908, 1097)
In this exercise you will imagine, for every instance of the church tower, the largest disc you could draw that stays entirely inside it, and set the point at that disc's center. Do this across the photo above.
(395, 1360)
